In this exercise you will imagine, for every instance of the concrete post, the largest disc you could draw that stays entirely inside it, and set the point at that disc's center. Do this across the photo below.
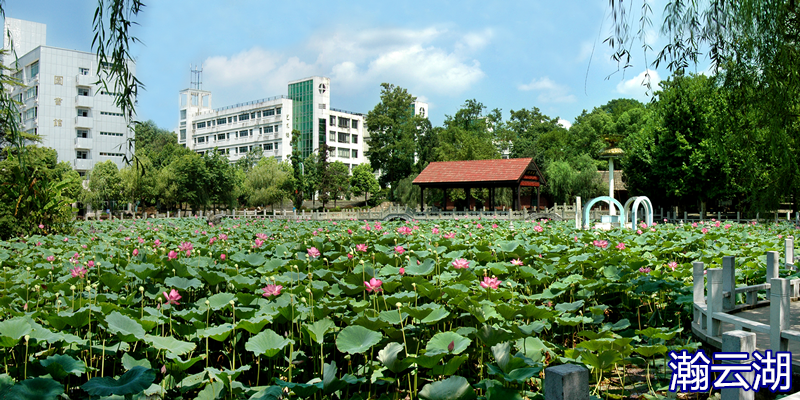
(578, 216)
(772, 267)
(739, 342)
(779, 313)
(566, 382)
(714, 303)
(738, 216)
(699, 290)
(686, 216)
(788, 246)
(728, 282)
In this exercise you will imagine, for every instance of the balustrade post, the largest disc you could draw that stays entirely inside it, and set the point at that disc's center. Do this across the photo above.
(772, 267)
(788, 246)
(779, 313)
(714, 303)
(739, 342)
(686, 216)
(738, 216)
(729, 282)
(698, 291)
(566, 382)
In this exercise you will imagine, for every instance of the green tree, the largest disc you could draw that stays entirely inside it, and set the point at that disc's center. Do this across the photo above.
(339, 175)
(392, 128)
(466, 135)
(577, 177)
(324, 179)
(363, 181)
(526, 127)
(104, 186)
(299, 180)
(138, 184)
(190, 175)
(220, 179)
(158, 145)
(269, 182)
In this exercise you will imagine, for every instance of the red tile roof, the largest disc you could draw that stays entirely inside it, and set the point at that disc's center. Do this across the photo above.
(475, 171)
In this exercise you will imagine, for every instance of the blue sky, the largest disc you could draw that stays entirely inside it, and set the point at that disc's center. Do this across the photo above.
(507, 55)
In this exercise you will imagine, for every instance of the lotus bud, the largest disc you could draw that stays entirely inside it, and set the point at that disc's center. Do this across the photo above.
(325, 259)
(399, 304)
(159, 299)
(208, 302)
(72, 288)
(414, 285)
(303, 299)
(232, 302)
(27, 338)
(362, 262)
(28, 268)
(94, 285)
(272, 278)
(408, 258)
(141, 289)
(58, 294)
(36, 288)
(58, 302)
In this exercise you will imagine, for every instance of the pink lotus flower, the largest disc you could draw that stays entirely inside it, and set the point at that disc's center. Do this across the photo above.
(517, 262)
(349, 231)
(399, 250)
(538, 228)
(494, 226)
(223, 236)
(157, 243)
(313, 252)
(621, 246)
(639, 231)
(90, 264)
(479, 226)
(490, 283)
(694, 225)
(450, 235)
(261, 236)
(135, 252)
(673, 265)
(51, 258)
(644, 270)
(258, 243)
(435, 231)
(78, 272)
(172, 297)
(460, 263)
(349, 256)
(727, 226)
(704, 230)
(172, 255)
(66, 239)
(404, 230)
(222, 256)
(403, 270)
(717, 224)
(271, 290)
(601, 243)
(361, 247)
(41, 226)
(185, 246)
(374, 285)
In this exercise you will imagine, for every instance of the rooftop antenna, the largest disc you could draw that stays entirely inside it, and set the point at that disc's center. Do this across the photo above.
(197, 77)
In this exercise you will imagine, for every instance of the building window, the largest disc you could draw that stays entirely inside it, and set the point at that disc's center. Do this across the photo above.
(221, 121)
(333, 120)
(83, 71)
(270, 112)
(354, 153)
(83, 92)
(183, 134)
(201, 124)
(82, 154)
(221, 136)
(242, 149)
(103, 154)
(278, 111)
(344, 122)
(111, 114)
(244, 117)
(268, 129)
(344, 153)
(31, 113)
(332, 136)
(354, 138)
(31, 92)
(82, 112)
(18, 98)
(34, 69)
(183, 114)
(252, 115)
(111, 134)
(331, 151)
(343, 137)
(268, 146)
(354, 124)
(322, 106)
(83, 133)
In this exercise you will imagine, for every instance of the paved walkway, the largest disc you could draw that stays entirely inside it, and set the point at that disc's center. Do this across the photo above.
(761, 315)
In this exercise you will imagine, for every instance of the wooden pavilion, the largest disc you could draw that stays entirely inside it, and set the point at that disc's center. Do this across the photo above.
(514, 173)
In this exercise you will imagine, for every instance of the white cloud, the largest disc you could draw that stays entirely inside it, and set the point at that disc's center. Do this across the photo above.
(549, 91)
(430, 60)
(566, 124)
(636, 86)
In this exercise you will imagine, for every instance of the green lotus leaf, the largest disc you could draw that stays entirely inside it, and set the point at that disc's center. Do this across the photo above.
(218, 333)
(125, 327)
(211, 391)
(452, 388)
(319, 328)
(182, 283)
(450, 367)
(267, 343)
(129, 362)
(423, 269)
(220, 300)
(255, 259)
(268, 393)
(34, 389)
(172, 346)
(13, 329)
(388, 356)
(441, 342)
(569, 307)
(132, 382)
(61, 365)
(650, 351)
(356, 339)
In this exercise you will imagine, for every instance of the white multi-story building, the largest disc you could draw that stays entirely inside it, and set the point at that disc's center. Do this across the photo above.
(268, 124)
(62, 101)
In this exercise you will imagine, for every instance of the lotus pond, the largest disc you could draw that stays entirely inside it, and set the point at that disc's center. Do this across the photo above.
(253, 309)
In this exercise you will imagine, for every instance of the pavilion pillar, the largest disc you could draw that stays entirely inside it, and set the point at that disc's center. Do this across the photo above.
(519, 198)
(444, 207)
(538, 199)
(469, 197)
(421, 199)
(515, 198)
